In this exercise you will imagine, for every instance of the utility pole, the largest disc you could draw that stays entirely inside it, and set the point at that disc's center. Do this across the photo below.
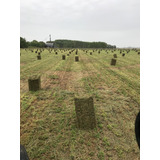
(50, 38)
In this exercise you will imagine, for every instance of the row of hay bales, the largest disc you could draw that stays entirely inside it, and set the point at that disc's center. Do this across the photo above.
(36, 50)
(90, 51)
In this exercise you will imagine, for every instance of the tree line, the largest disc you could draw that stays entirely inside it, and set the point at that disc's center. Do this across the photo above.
(34, 43)
(80, 44)
(65, 44)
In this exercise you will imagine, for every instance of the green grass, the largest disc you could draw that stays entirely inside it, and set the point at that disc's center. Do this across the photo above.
(48, 119)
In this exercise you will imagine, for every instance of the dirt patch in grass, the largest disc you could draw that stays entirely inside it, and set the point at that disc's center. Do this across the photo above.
(22, 64)
(70, 81)
(64, 80)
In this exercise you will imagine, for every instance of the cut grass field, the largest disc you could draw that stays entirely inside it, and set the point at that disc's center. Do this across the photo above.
(48, 120)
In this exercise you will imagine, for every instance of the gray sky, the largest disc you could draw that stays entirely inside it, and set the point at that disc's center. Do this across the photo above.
(116, 22)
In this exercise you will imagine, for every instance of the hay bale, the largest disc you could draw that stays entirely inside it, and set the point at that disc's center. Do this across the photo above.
(115, 55)
(85, 113)
(113, 62)
(76, 58)
(63, 57)
(38, 57)
(34, 83)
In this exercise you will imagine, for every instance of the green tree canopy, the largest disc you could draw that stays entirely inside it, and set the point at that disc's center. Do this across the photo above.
(80, 44)
(23, 43)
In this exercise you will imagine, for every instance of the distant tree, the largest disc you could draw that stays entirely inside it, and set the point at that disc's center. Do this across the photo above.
(42, 44)
(28, 44)
(34, 43)
(23, 43)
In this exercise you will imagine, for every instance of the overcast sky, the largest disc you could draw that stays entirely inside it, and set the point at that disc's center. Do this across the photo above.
(116, 22)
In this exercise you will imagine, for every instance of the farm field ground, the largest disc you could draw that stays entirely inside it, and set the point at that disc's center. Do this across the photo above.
(48, 127)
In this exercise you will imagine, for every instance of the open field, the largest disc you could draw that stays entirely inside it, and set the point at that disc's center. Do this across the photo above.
(48, 119)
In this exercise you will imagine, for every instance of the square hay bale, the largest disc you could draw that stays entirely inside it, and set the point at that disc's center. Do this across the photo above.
(85, 113)
(115, 55)
(76, 58)
(34, 83)
(113, 62)
(38, 57)
(63, 57)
